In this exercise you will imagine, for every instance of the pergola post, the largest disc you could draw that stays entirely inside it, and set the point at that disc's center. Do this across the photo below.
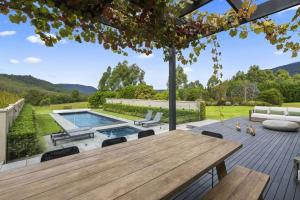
(172, 89)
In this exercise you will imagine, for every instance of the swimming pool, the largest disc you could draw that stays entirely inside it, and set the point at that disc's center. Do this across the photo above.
(122, 131)
(88, 119)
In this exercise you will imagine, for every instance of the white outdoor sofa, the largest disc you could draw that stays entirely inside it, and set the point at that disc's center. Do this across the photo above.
(261, 113)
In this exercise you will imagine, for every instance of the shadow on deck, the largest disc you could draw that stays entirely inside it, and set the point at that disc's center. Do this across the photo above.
(270, 152)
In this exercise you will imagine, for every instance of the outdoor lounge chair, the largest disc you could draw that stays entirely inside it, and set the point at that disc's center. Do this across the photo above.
(147, 118)
(113, 141)
(67, 132)
(59, 153)
(216, 135)
(156, 120)
(74, 135)
(145, 133)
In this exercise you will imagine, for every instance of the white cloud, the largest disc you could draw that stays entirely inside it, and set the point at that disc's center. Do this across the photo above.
(290, 9)
(14, 61)
(36, 39)
(187, 69)
(144, 56)
(279, 53)
(32, 60)
(7, 33)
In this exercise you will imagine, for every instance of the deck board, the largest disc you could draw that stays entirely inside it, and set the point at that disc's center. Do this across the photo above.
(270, 152)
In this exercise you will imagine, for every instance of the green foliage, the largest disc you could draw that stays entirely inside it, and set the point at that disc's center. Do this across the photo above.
(121, 76)
(22, 138)
(97, 99)
(75, 95)
(161, 95)
(182, 116)
(7, 98)
(127, 92)
(144, 91)
(272, 96)
(181, 78)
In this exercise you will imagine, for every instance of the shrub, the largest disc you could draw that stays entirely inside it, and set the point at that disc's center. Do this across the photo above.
(7, 98)
(272, 96)
(139, 111)
(256, 103)
(22, 136)
(161, 95)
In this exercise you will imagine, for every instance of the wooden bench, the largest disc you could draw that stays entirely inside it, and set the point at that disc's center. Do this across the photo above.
(242, 183)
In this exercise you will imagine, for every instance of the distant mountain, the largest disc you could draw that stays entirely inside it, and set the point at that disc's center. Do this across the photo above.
(293, 68)
(21, 84)
(81, 88)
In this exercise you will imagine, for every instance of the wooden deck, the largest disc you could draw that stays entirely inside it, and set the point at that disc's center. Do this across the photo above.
(270, 152)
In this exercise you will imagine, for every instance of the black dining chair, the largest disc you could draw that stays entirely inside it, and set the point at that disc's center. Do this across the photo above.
(113, 141)
(59, 153)
(216, 135)
(146, 133)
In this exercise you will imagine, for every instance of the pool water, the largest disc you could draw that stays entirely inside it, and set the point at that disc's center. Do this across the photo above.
(88, 119)
(120, 131)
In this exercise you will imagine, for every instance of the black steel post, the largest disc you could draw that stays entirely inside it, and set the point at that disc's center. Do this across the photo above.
(172, 89)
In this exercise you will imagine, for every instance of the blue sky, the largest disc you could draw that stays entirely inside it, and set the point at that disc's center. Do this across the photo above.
(69, 62)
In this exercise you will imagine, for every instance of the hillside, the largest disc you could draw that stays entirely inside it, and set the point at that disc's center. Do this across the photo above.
(292, 68)
(81, 88)
(21, 84)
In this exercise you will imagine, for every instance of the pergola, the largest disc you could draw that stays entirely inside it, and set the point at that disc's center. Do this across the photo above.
(95, 10)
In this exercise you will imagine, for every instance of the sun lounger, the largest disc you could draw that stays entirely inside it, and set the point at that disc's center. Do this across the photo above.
(68, 131)
(156, 120)
(75, 135)
(146, 119)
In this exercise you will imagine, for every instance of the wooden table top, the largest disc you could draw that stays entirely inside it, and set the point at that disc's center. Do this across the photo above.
(155, 167)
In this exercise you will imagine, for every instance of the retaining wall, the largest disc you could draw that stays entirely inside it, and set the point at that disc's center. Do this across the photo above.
(188, 105)
(7, 117)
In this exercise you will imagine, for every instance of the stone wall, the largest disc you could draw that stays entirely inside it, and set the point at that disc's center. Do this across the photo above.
(7, 117)
(188, 105)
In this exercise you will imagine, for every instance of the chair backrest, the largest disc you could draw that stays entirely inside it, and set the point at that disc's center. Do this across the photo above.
(149, 115)
(59, 153)
(212, 134)
(113, 141)
(146, 133)
(158, 116)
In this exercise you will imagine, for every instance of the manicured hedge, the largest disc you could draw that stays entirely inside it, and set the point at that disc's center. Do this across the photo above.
(140, 111)
(22, 137)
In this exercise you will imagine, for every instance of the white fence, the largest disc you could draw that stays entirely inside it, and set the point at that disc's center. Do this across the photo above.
(188, 105)
(7, 117)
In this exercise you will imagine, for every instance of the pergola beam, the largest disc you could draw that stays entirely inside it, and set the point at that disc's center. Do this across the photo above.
(192, 7)
(235, 4)
(272, 6)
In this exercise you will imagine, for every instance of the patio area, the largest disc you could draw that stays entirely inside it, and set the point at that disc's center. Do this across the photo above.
(270, 152)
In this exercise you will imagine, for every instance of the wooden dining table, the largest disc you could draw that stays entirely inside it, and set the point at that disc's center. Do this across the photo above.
(155, 167)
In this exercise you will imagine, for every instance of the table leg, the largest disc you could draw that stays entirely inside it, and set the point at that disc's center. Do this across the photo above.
(221, 170)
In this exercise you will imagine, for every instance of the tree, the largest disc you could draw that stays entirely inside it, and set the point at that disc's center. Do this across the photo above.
(282, 74)
(181, 78)
(121, 76)
(272, 96)
(104, 81)
(144, 91)
(75, 95)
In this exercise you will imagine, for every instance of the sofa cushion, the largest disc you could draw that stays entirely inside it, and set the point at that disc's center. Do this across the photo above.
(276, 117)
(292, 118)
(260, 115)
(261, 109)
(293, 111)
(278, 111)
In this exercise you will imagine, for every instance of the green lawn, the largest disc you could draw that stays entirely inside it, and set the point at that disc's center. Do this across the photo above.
(213, 112)
(295, 104)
